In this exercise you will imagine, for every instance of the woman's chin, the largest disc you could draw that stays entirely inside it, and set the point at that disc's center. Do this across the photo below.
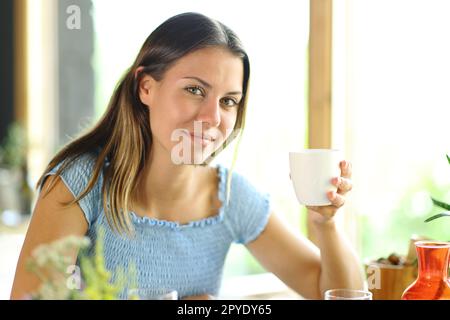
(194, 154)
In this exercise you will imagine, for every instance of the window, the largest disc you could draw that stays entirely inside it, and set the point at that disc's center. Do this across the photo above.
(391, 75)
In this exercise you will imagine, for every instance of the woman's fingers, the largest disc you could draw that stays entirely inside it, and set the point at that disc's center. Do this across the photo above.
(346, 169)
(344, 185)
(337, 201)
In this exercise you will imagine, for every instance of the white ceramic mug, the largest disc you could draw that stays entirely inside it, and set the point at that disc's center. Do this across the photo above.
(311, 173)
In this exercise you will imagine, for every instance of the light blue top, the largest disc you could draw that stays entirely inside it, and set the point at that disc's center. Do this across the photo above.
(188, 257)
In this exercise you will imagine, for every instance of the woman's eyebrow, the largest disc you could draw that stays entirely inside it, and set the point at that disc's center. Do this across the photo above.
(207, 85)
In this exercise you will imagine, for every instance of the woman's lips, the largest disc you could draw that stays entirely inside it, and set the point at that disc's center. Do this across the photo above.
(205, 140)
(201, 137)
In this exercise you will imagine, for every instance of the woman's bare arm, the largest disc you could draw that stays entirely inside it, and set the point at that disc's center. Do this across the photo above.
(51, 220)
(292, 258)
(301, 265)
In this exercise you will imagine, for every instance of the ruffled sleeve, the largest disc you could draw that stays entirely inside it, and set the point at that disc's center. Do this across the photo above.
(76, 177)
(248, 210)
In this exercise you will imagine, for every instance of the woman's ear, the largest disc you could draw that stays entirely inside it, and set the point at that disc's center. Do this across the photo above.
(145, 86)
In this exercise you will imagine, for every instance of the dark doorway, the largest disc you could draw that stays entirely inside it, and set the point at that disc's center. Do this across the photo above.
(6, 66)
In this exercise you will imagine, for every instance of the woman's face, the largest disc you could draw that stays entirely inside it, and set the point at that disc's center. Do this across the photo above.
(193, 109)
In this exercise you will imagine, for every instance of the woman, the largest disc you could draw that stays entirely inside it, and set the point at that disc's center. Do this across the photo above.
(142, 175)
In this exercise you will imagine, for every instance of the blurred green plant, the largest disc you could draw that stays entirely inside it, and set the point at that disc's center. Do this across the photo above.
(441, 205)
(13, 149)
(51, 264)
(98, 280)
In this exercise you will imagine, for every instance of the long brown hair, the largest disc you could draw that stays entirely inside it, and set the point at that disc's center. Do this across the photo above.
(123, 135)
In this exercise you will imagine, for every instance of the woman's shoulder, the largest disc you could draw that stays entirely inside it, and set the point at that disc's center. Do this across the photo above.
(76, 173)
(241, 186)
(248, 205)
(75, 169)
(85, 161)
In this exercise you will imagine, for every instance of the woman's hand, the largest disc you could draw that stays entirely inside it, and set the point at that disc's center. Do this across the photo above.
(344, 185)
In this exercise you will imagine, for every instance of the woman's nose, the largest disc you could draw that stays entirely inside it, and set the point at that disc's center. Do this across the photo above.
(210, 113)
